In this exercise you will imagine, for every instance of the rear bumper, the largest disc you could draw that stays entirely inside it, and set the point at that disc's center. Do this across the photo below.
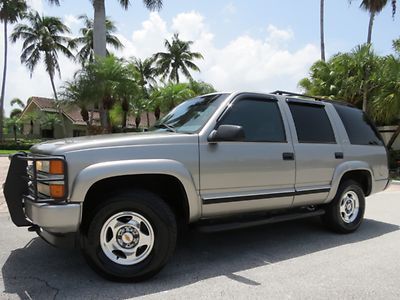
(53, 217)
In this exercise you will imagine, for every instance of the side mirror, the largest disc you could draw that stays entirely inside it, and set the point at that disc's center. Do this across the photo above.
(227, 133)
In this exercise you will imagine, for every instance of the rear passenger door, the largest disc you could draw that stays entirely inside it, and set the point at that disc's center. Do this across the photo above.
(316, 150)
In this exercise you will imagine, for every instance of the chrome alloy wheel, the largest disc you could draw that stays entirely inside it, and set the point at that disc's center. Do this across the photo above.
(349, 207)
(127, 238)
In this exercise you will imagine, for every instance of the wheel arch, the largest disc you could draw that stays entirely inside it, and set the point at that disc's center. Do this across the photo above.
(353, 170)
(155, 171)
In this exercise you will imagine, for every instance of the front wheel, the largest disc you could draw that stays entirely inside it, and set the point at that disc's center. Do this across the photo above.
(131, 237)
(346, 211)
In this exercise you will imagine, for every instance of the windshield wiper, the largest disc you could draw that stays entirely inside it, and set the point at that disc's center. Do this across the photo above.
(165, 125)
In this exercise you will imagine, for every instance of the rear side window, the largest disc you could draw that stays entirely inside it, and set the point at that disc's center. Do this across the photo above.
(359, 127)
(312, 124)
(261, 120)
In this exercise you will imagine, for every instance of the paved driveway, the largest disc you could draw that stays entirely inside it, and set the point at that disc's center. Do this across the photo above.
(288, 260)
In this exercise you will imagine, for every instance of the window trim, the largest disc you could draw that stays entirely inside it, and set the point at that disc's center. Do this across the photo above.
(319, 105)
(258, 98)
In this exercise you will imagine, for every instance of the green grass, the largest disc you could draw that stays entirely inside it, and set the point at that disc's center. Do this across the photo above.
(11, 151)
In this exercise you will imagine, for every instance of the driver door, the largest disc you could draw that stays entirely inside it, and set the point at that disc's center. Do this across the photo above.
(251, 175)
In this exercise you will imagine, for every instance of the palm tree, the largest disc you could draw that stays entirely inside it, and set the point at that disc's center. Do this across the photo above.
(104, 75)
(99, 32)
(10, 12)
(178, 58)
(86, 52)
(16, 112)
(322, 4)
(145, 72)
(43, 39)
(374, 7)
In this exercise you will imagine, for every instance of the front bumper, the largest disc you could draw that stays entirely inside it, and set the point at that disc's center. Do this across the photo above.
(55, 217)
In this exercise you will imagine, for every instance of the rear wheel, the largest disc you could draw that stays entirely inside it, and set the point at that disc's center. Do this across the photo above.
(131, 237)
(346, 211)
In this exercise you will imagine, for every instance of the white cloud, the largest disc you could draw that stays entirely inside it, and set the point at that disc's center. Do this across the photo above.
(230, 9)
(71, 21)
(245, 63)
(36, 5)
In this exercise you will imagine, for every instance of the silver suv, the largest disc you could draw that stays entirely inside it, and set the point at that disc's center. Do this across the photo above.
(217, 162)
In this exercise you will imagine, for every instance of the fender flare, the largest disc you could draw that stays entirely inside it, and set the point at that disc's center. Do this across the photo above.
(99, 171)
(343, 169)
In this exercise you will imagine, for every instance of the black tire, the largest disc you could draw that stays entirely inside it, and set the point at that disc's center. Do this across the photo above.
(159, 216)
(333, 216)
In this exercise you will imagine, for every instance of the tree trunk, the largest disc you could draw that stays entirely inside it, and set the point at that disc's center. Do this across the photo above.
(58, 108)
(322, 30)
(3, 86)
(394, 137)
(15, 133)
(124, 119)
(100, 47)
(99, 28)
(370, 26)
(157, 112)
(177, 76)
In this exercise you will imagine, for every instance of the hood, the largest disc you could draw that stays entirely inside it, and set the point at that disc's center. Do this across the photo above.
(57, 147)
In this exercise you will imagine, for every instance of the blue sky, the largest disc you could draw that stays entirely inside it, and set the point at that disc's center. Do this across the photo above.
(259, 45)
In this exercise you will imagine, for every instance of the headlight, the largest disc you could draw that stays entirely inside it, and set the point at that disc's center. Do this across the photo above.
(55, 167)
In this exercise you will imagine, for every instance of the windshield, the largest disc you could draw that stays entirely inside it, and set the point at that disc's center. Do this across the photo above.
(191, 115)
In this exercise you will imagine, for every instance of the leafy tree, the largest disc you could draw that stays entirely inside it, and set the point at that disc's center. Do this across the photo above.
(343, 76)
(85, 40)
(178, 58)
(105, 74)
(146, 79)
(43, 39)
(13, 124)
(11, 11)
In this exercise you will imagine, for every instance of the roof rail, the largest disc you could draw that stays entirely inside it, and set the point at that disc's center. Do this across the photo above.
(283, 93)
(299, 95)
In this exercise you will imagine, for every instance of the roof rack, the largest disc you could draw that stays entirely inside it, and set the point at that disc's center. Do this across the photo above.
(283, 93)
(299, 95)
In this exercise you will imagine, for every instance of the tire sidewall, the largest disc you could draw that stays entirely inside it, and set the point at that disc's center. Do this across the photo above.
(347, 187)
(164, 228)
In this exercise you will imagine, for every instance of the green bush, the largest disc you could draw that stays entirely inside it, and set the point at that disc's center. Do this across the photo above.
(15, 146)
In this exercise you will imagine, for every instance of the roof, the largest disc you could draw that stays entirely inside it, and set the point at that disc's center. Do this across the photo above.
(73, 112)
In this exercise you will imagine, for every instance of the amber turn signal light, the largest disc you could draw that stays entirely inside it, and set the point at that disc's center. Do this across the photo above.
(57, 190)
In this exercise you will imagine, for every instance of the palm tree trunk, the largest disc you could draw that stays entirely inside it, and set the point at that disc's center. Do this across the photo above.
(124, 119)
(3, 86)
(100, 46)
(370, 26)
(58, 108)
(177, 76)
(99, 28)
(322, 30)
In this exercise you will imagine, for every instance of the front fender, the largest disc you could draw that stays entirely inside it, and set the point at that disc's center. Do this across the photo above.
(96, 172)
(342, 169)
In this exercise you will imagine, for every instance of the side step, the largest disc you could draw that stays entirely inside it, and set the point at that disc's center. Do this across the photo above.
(217, 226)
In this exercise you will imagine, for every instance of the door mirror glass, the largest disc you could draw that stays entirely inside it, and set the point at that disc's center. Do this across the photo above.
(227, 133)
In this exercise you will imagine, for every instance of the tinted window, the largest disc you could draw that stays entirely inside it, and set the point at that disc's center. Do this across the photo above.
(312, 124)
(360, 129)
(261, 120)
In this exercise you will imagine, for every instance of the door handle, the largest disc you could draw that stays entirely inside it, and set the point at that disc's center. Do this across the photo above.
(288, 156)
(339, 155)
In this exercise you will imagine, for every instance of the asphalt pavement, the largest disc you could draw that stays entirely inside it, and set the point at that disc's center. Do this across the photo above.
(291, 260)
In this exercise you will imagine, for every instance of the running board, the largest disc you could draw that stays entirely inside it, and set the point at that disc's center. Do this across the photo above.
(235, 224)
